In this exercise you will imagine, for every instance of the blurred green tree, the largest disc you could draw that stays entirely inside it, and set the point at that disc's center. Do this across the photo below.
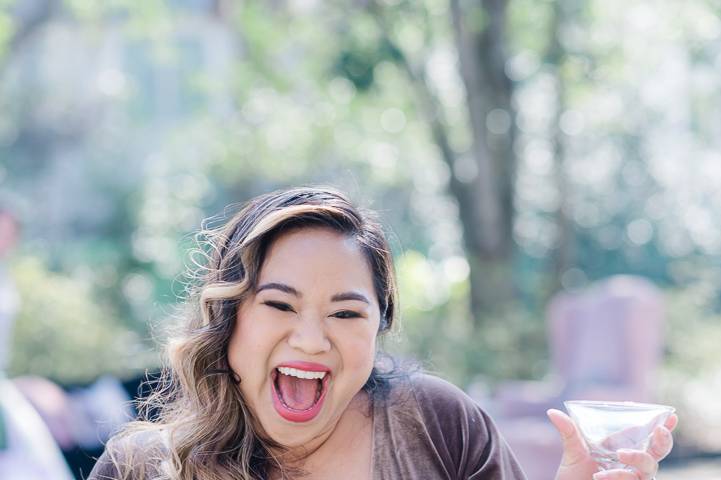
(514, 147)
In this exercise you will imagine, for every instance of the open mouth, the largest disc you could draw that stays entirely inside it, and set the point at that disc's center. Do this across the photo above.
(298, 395)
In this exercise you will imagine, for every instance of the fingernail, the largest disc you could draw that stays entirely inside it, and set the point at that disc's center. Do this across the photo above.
(600, 476)
(625, 451)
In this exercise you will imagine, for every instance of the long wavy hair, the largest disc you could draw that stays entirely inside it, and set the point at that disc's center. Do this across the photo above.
(203, 429)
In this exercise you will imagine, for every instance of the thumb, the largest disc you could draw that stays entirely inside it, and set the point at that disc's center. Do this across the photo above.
(574, 449)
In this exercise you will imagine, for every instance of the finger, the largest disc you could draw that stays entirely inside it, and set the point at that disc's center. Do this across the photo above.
(574, 449)
(661, 443)
(671, 422)
(643, 462)
(616, 475)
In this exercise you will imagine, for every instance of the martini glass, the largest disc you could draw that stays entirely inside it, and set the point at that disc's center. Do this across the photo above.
(609, 426)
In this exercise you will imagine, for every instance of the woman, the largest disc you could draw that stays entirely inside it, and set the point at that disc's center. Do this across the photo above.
(276, 376)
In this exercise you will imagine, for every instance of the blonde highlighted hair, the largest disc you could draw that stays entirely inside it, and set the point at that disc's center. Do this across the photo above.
(203, 429)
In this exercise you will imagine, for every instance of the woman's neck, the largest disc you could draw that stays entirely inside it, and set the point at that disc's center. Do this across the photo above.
(342, 438)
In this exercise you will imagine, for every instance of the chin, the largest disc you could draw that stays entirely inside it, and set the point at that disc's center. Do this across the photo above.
(292, 434)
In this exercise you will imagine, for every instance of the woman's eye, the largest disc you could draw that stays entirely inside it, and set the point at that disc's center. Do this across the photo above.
(346, 314)
(283, 307)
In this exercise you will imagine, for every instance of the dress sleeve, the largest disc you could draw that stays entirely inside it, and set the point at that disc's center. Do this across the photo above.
(128, 458)
(104, 469)
(465, 437)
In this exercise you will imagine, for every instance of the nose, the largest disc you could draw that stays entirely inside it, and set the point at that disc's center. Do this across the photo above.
(309, 336)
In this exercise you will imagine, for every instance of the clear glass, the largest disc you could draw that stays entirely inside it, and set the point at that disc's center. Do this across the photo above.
(609, 426)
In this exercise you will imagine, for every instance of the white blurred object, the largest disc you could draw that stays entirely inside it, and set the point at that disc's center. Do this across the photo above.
(9, 298)
(31, 452)
(9, 304)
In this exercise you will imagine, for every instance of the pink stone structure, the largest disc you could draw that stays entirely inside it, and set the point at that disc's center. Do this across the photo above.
(606, 343)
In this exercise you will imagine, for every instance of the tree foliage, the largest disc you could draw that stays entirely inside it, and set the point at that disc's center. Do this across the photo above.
(125, 124)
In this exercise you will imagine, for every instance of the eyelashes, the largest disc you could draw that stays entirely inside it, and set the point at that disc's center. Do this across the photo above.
(284, 307)
(346, 314)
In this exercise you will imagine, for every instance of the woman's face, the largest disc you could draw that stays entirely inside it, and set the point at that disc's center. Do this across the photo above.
(314, 314)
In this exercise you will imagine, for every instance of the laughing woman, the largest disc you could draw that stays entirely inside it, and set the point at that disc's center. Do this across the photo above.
(276, 376)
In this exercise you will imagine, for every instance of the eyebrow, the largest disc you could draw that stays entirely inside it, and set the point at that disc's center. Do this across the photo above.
(279, 286)
(338, 297)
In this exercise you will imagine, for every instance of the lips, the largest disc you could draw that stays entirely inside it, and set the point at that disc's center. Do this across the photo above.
(292, 414)
(307, 366)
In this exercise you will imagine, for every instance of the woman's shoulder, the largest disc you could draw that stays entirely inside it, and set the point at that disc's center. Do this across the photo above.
(435, 387)
(461, 427)
(439, 404)
(439, 396)
(458, 431)
(131, 455)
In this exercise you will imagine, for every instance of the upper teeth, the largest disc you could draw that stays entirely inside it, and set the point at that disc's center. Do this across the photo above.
(300, 373)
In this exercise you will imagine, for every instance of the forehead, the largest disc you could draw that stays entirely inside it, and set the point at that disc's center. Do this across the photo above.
(320, 255)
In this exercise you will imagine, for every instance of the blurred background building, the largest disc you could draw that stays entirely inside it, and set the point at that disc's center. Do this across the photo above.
(518, 151)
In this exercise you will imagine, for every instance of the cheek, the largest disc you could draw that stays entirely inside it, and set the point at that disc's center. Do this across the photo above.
(249, 349)
(236, 355)
(360, 350)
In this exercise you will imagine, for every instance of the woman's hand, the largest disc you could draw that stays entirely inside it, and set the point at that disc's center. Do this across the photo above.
(577, 464)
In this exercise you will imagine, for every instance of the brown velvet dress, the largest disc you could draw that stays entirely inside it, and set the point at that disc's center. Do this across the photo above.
(425, 428)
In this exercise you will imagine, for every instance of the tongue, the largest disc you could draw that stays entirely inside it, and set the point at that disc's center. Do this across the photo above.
(297, 393)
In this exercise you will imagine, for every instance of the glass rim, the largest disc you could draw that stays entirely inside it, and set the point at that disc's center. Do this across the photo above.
(620, 405)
